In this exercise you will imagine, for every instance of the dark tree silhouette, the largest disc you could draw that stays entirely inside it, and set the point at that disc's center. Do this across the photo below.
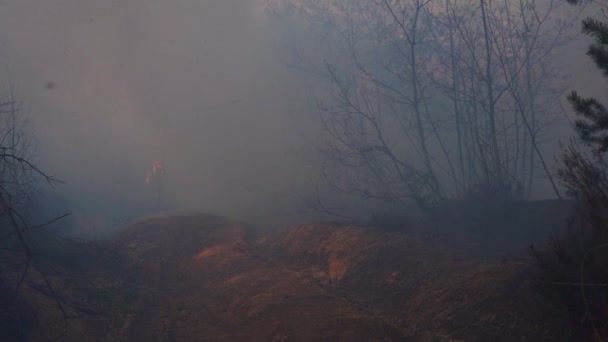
(575, 265)
(19, 180)
(593, 125)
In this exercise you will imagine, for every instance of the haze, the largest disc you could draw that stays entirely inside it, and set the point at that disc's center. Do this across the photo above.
(111, 86)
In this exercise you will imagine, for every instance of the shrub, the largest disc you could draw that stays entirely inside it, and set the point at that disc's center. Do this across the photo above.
(574, 265)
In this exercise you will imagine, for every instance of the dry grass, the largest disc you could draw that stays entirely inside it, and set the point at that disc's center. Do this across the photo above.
(204, 278)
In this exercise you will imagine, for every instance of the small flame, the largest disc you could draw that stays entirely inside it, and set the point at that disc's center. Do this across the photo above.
(158, 168)
(148, 177)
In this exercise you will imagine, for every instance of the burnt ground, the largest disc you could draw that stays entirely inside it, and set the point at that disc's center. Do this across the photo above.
(206, 278)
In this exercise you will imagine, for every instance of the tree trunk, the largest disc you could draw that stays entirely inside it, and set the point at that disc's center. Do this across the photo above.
(491, 103)
(456, 97)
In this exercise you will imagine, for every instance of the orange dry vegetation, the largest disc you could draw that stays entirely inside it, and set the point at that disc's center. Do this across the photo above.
(204, 278)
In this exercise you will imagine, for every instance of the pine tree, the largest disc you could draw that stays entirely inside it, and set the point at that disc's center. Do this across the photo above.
(593, 126)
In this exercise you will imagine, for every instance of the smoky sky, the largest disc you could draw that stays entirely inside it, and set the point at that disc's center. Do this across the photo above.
(204, 85)
(111, 86)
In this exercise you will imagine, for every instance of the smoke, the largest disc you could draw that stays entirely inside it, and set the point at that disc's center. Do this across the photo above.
(204, 85)
(111, 86)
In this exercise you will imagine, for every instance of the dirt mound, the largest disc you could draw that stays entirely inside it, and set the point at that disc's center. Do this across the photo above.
(205, 278)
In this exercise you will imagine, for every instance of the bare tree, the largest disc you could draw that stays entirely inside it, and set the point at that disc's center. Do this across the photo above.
(19, 179)
(432, 98)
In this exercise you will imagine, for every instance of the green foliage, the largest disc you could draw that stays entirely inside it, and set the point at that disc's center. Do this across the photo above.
(574, 266)
(592, 128)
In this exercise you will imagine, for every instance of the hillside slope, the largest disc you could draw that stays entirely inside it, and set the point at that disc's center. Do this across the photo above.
(206, 278)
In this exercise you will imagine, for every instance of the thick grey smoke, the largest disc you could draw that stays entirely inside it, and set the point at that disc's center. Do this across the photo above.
(114, 85)
(203, 85)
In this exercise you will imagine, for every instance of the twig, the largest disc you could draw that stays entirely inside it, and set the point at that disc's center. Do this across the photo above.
(33, 227)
